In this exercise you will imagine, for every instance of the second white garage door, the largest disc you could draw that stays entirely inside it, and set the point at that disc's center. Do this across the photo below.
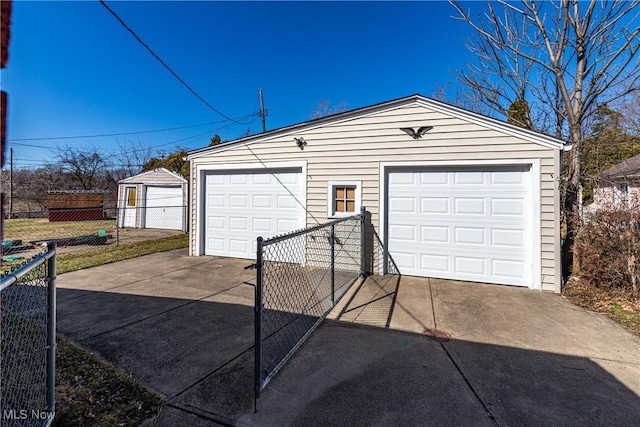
(243, 205)
(470, 224)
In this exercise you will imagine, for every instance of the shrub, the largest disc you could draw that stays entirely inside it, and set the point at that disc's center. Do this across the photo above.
(608, 248)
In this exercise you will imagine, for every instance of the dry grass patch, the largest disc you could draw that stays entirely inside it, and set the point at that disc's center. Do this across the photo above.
(91, 392)
(616, 303)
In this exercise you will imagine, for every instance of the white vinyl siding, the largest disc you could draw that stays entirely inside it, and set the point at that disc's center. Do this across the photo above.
(352, 150)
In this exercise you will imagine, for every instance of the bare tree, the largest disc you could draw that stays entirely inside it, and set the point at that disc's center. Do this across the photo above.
(630, 109)
(324, 108)
(133, 154)
(564, 58)
(86, 167)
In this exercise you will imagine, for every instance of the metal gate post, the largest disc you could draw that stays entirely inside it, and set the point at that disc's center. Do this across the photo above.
(258, 322)
(363, 240)
(51, 329)
(332, 241)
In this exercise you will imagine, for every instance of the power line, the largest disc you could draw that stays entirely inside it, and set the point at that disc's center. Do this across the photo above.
(166, 66)
(47, 138)
(144, 148)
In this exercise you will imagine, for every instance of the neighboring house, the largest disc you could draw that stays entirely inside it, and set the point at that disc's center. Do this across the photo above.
(619, 186)
(154, 199)
(473, 199)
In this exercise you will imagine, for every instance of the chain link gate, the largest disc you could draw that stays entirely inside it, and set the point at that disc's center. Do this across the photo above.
(300, 278)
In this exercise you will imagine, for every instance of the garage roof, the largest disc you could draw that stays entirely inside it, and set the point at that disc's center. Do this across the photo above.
(417, 99)
(161, 175)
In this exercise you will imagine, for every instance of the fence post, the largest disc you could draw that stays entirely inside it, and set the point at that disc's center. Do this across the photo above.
(363, 241)
(117, 227)
(258, 322)
(332, 241)
(51, 329)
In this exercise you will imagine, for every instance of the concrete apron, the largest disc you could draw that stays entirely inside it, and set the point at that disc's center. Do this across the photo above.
(183, 326)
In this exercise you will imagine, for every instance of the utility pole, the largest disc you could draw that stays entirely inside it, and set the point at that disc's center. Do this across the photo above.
(263, 114)
(11, 183)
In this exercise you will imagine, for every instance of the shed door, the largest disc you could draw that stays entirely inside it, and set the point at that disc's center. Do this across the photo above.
(470, 224)
(164, 208)
(241, 206)
(130, 210)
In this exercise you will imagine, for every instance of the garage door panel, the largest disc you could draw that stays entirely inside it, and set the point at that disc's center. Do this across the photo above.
(434, 263)
(472, 224)
(470, 236)
(435, 178)
(402, 204)
(469, 178)
(262, 201)
(262, 225)
(242, 205)
(476, 266)
(469, 206)
(508, 268)
(433, 205)
(406, 233)
(216, 222)
(508, 207)
(238, 224)
(508, 238)
(215, 200)
(507, 178)
(435, 234)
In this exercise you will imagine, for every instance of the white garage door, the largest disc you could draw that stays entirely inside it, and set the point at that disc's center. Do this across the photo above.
(463, 224)
(241, 206)
(164, 208)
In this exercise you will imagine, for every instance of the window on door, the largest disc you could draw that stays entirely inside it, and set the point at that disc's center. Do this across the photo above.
(343, 198)
(131, 197)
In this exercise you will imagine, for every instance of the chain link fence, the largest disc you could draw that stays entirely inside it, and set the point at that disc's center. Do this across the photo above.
(27, 343)
(300, 278)
(88, 228)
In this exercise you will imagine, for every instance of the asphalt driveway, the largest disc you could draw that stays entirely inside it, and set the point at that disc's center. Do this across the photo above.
(183, 326)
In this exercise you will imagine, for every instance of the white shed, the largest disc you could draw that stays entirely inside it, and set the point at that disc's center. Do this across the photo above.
(472, 198)
(153, 199)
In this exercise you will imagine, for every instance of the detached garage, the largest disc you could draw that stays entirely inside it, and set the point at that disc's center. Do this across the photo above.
(153, 199)
(452, 194)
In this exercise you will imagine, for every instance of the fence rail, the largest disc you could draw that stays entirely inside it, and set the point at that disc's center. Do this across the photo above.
(300, 278)
(27, 342)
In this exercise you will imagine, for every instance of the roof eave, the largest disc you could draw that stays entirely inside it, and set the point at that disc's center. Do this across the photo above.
(535, 137)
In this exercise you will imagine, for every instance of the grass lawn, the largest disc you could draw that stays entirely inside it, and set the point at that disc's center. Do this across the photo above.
(40, 228)
(94, 257)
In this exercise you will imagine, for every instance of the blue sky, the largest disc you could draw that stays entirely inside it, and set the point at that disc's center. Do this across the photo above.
(74, 70)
